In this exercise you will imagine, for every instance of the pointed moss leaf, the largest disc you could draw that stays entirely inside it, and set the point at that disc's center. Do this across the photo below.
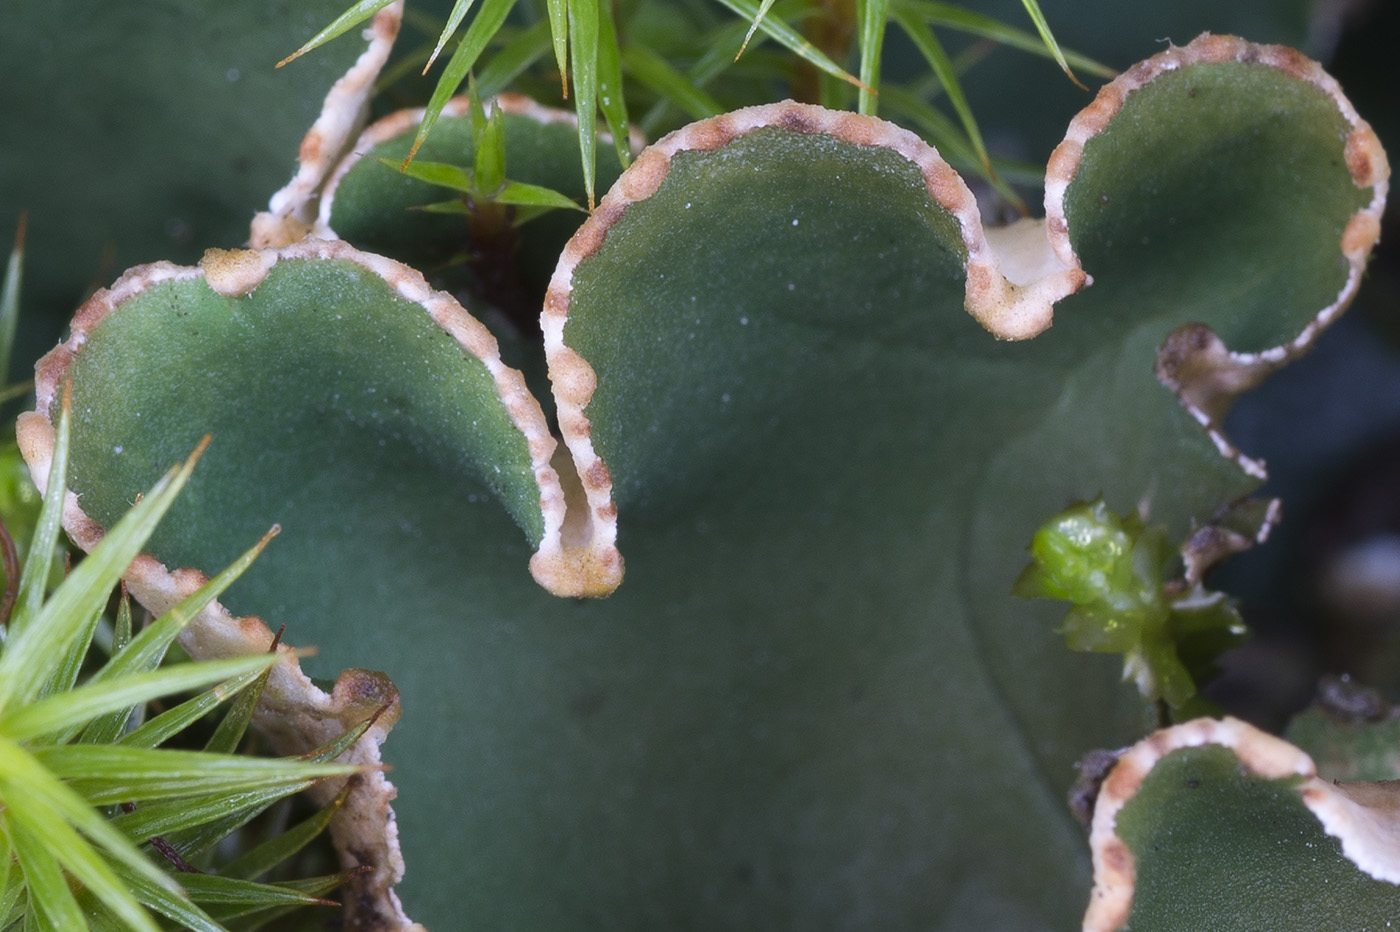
(978, 24)
(9, 301)
(1219, 848)
(20, 503)
(814, 703)
(87, 867)
(714, 61)
(456, 207)
(790, 39)
(34, 577)
(558, 11)
(583, 63)
(26, 665)
(655, 73)
(485, 24)
(51, 902)
(339, 746)
(762, 12)
(211, 891)
(437, 173)
(371, 207)
(270, 901)
(454, 20)
(69, 709)
(234, 724)
(489, 162)
(147, 650)
(158, 729)
(269, 854)
(356, 14)
(10, 889)
(193, 825)
(1042, 27)
(536, 202)
(173, 905)
(56, 817)
(932, 51)
(121, 627)
(611, 96)
(513, 59)
(531, 195)
(69, 662)
(872, 16)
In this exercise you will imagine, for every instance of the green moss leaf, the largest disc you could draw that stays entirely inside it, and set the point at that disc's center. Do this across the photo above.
(1112, 571)
(374, 208)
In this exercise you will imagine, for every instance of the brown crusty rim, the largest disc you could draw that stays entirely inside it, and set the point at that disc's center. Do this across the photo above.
(1193, 362)
(294, 713)
(1015, 274)
(1014, 277)
(1364, 817)
(1010, 309)
(292, 210)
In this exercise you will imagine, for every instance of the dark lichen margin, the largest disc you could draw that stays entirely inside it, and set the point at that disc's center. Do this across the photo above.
(295, 714)
(1014, 276)
(1193, 361)
(291, 210)
(1364, 817)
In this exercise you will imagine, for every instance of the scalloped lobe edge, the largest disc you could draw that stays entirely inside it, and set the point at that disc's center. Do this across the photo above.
(1364, 817)
(290, 211)
(296, 714)
(237, 272)
(578, 557)
(1010, 311)
(1193, 362)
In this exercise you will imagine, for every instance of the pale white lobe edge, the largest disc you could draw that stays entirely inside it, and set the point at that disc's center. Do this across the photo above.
(1364, 817)
(291, 211)
(1194, 363)
(1011, 307)
(295, 713)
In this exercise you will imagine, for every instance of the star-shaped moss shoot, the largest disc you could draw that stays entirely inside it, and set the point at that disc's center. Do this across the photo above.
(1111, 569)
